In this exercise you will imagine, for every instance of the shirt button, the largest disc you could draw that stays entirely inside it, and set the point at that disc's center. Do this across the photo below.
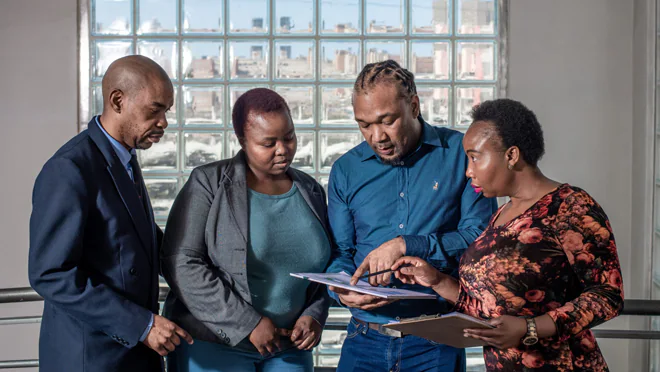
(401, 226)
(401, 195)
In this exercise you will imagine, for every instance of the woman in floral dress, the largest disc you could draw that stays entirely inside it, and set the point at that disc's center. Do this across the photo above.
(546, 268)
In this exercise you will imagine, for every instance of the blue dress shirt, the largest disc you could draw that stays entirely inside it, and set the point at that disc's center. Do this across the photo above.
(425, 198)
(125, 159)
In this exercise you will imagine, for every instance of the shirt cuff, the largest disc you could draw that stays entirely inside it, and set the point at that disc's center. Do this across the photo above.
(146, 331)
(417, 246)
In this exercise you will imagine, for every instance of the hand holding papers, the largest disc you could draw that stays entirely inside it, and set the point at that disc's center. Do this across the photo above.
(342, 280)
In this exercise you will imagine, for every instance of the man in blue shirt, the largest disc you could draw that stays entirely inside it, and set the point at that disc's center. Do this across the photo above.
(401, 192)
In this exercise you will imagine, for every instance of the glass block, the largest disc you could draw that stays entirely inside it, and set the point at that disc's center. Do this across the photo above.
(324, 181)
(474, 357)
(434, 104)
(301, 103)
(203, 105)
(654, 353)
(294, 17)
(430, 60)
(236, 91)
(157, 16)
(201, 148)
(162, 192)
(162, 52)
(468, 97)
(340, 60)
(202, 59)
(335, 144)
(337, 106)
(331, 342)
(383, 50)
(248, 59)
(202, 16)
(112, 17)
(475, 61)
(97, 100)
(476, 17)
(304, 159)
(657, 183)
(233, 146)
(171, 114)
(385, 16)
(162, 155)
(340, 17)
(248, 16)
(294, 59)
(431, 17)
(328, 360)
(657, 57)
(106, 52)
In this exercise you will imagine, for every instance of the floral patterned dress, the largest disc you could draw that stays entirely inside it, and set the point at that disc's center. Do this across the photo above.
(557, 258)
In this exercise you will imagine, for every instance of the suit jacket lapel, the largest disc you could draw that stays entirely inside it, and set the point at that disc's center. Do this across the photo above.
(125, 187)
(235, 185)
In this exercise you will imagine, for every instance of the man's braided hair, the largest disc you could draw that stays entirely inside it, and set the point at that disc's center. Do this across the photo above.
(390, 72)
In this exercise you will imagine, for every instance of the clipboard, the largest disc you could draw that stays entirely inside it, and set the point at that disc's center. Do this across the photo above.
(444, 329)
(343, 280)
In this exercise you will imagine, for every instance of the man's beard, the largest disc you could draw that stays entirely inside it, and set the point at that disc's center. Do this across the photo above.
(394, 160)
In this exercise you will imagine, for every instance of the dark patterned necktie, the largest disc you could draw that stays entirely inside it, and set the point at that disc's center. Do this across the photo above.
(138, 182)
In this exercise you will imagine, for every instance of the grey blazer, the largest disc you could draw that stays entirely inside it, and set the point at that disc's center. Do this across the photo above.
(204, 253)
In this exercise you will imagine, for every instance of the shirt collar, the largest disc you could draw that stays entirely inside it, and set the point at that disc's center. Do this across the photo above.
(123, 154)
(429, 137)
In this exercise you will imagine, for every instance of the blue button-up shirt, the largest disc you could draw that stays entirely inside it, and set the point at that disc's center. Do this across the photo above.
(426, 199)
(125, 159)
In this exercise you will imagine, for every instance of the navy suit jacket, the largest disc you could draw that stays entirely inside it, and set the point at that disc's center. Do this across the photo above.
(94, 259)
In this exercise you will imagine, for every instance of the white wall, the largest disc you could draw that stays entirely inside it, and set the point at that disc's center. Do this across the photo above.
(570, 61)
(38, 71)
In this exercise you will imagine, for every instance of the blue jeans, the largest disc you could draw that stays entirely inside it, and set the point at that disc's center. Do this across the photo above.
(211, 357)
(368, 350)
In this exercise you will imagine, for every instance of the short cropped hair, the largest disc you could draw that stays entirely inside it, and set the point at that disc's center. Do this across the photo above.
(256, 101)
(515, 124)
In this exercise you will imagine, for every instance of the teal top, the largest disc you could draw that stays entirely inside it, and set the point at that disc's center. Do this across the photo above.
(285, 237)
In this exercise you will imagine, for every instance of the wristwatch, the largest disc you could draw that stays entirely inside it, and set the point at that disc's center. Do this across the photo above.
(531, 337)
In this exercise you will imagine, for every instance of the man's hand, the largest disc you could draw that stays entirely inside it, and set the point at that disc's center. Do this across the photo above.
(381, 258)
(359, 300)
(306, 333)
(163, 337)
(266, 337)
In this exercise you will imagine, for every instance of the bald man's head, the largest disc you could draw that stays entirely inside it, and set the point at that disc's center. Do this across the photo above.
(136, 95)
(131, 74)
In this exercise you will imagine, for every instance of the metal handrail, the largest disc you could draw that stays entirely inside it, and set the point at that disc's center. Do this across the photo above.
(27, 294)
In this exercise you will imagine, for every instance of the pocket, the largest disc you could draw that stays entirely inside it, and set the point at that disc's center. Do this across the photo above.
(354, 328)
(434, 343)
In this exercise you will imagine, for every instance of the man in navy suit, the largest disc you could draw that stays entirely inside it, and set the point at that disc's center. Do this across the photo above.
(93, 241)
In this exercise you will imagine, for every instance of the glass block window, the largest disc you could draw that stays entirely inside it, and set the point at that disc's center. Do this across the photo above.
(310, 51)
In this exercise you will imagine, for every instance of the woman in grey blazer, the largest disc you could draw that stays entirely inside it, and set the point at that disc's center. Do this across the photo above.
(236, 230)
